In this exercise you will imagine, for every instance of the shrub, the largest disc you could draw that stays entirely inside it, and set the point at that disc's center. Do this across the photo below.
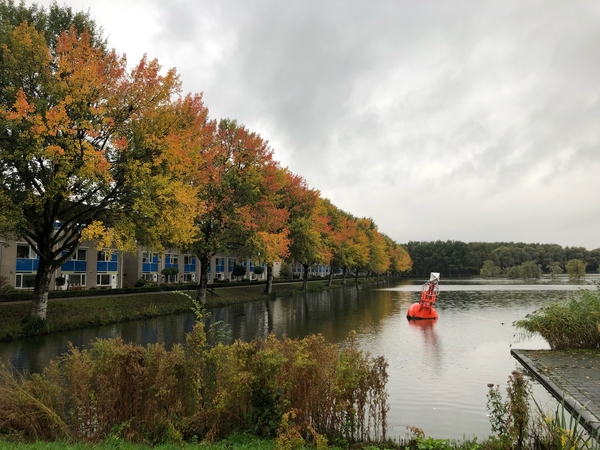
(570, 324)
(150, 394)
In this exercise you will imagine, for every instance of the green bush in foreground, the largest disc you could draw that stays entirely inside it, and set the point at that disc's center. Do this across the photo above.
(273, 388)
(571, 324)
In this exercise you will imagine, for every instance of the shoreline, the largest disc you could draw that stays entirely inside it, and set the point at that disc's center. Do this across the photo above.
(67, 314)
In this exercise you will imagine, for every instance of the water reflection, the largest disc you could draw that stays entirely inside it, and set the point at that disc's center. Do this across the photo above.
(438, 371)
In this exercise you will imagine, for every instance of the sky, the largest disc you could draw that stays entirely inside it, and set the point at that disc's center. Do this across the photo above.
(453, 120)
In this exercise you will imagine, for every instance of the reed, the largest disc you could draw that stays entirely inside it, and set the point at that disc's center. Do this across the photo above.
(570, 324)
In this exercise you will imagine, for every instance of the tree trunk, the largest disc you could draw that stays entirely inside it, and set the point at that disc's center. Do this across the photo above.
(201, 297)
(39, 303)
(345, 272)
(305, 277)
(269, 286)
(330, 277)
(356, 277)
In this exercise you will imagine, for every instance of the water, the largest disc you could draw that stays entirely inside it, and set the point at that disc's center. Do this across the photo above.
(438, 371)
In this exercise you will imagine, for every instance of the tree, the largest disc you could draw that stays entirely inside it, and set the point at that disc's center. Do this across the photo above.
(575, 268)
(379, 260)
(170, 273)
(270, 239)
(490, 269)
(554, 269)
(238, 271)
(235, 175)
(400, 260)
(86, 149)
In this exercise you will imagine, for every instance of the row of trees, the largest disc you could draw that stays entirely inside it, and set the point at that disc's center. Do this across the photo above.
(576, 269)
(460, 258)
(92, 150)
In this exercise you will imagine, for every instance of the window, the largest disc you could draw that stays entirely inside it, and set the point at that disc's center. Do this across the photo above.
(25, 252)
(25, 281)
(190, 260)
(171, 259)
(103, 256)
(76, 279)
(80, 255)
(148, 257)
(103, 279)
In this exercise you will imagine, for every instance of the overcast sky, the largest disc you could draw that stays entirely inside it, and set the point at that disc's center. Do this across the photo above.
(462, 120)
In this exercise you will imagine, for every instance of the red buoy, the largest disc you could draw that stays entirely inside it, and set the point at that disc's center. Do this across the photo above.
(424, 310)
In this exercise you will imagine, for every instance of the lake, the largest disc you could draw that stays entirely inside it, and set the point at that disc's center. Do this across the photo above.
(438, 371)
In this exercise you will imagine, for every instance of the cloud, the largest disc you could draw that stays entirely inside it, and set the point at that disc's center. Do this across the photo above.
(441, 120)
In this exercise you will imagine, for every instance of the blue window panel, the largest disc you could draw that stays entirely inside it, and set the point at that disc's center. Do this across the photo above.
(69, 266)
(149, 268)
(25, 265)
(155, 261)
(80, 266)
(102, 266)
(187, 268)
(168, 266)
(231, 264)
(113, 266)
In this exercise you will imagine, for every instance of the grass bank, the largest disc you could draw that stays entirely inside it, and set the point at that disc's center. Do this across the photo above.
(86, 312)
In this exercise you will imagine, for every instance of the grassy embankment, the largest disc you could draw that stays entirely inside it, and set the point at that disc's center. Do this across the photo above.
(85, 312)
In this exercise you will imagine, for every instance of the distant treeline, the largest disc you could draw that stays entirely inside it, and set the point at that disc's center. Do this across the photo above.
(455, 258)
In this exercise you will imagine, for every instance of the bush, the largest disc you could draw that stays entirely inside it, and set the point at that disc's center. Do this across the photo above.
(151, 394)
(571, 324)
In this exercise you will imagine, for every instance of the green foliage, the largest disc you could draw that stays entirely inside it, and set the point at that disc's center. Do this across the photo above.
(238, 270)
(258, 270)
(555, 269)
(490, 269)
(576, 269)
(510, 420)
(4, 285)
(570, 324)
(528, 269)
(455, 257)
(565, 431)
(285, 272)
(498, 411)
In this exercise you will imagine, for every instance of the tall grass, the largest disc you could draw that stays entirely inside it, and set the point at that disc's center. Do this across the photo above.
(571, 324)
(198, 392)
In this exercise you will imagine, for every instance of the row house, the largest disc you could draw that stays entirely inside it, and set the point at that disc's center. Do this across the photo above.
(149, 265)
(87, 267)
(316, 270)
(108, 268)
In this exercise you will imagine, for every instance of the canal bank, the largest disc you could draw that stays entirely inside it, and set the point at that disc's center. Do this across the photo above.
(76, 313)
(571, 376)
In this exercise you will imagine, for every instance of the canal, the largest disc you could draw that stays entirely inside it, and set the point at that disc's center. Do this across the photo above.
(438, 372)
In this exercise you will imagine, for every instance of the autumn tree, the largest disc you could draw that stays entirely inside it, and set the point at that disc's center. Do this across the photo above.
(234, 197)
(354, 252)
(308, 227)
(379, 260)
(400, 261)
(269, 238)
(335, 237)
(86, 148)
